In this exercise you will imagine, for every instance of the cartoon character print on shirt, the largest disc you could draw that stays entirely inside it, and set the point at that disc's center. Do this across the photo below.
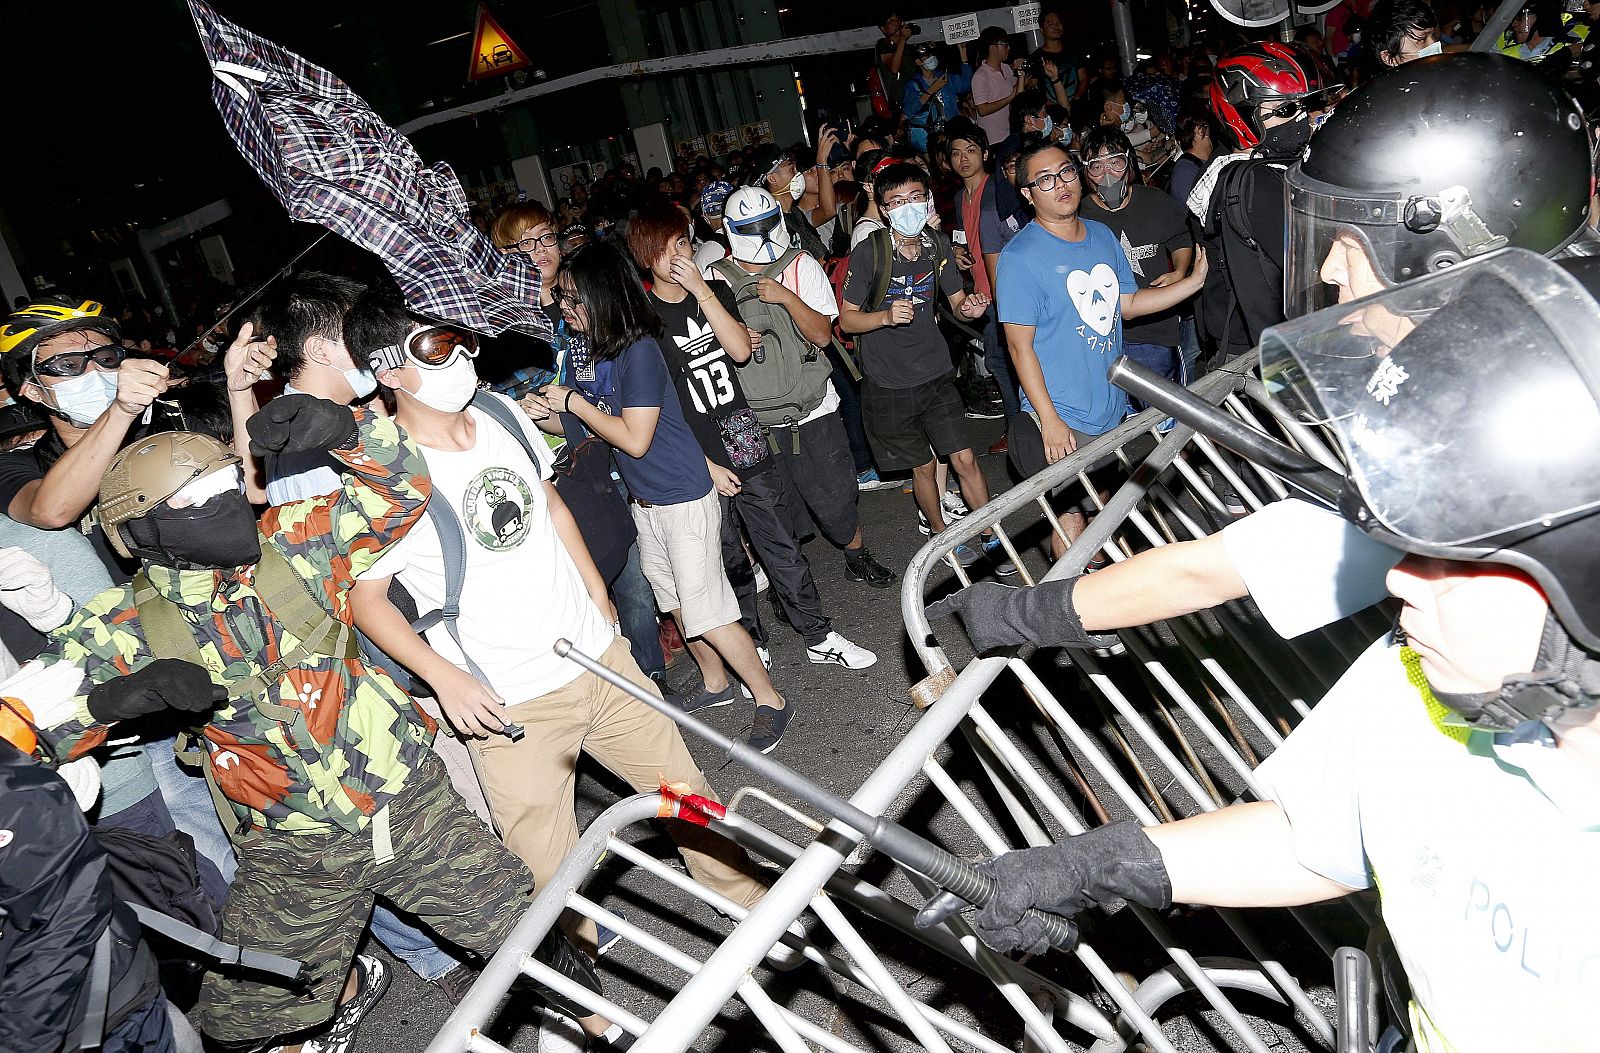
(1096, 296)
(496, 506)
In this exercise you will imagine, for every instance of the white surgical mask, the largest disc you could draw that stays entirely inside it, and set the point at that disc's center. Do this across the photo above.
(930, 63)
(362, 381)
(1049, 126)
(83, 399)
(448, 390)
(797, 185)
(909, 219)
(1436, 48)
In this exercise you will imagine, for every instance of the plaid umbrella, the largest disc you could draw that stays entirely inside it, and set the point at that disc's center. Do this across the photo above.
(329, 159)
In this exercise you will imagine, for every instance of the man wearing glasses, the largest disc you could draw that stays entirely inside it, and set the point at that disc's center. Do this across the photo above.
(66, 357)
(1064, 290)
(1154, 233)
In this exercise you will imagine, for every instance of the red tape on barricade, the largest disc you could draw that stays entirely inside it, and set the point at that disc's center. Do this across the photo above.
(679, 801)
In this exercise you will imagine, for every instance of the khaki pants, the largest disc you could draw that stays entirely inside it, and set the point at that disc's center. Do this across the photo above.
(530, 783)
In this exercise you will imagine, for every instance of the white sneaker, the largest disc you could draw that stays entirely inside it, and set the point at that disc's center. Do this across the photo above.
(836, 650)
(783, 958)
(954, 505)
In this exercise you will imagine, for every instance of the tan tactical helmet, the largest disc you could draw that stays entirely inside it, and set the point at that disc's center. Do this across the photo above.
(151, 470)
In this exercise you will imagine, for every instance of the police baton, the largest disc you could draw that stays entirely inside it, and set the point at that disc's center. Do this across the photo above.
(1180, 403)
(893, 840)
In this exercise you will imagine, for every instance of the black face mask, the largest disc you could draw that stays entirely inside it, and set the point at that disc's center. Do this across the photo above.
(1286, 140)
(218, 535)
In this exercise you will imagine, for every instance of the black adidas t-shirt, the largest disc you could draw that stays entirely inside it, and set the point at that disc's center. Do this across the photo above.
(708, 384)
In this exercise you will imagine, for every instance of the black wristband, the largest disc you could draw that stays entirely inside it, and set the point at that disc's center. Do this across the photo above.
(566, 404)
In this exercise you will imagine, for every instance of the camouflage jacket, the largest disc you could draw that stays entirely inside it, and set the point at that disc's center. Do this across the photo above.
(366, 735)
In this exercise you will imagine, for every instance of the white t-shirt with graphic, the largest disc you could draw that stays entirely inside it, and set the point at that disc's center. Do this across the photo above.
(522, 592)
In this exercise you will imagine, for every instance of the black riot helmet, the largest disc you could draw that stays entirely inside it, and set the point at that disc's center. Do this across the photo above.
(1435, 162)
(1467, 404)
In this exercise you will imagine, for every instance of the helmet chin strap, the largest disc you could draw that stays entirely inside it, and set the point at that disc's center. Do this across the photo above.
(1565, 677)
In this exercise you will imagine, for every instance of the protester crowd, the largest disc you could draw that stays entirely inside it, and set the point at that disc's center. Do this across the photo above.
(265, 609)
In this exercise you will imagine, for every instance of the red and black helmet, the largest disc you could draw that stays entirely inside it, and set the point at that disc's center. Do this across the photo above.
(1261, 72)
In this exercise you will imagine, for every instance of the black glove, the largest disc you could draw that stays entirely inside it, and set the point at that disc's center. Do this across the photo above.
(1008, 616)
(296, 423)
(1100, 867)
(166, 683)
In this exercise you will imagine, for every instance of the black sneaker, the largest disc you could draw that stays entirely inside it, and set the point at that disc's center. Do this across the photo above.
(455, 984)
(769, 726)
(372, 980)
(557, 951)
(860, 566)
(703, 699)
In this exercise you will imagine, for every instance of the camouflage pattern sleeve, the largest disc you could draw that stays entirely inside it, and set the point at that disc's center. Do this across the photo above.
(100, 642)
(333, 539)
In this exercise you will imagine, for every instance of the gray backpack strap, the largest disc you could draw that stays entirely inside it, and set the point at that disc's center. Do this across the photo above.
(507, 419)
(453, 539)
(736, 276)
(208, 945)
(91, 1030)
(453, 547)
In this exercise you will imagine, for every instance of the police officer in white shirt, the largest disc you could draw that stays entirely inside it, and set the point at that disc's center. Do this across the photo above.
(1456, 765)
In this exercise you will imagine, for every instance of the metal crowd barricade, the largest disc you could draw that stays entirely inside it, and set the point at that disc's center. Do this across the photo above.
(1174, 727)
(1181, 720)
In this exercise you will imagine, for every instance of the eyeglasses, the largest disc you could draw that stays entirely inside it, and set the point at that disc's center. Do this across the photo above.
(75, 363)
(564, 296)
(906, 199)
(1047, 181)
(1108, 162)
(529, 243)
(433, 347)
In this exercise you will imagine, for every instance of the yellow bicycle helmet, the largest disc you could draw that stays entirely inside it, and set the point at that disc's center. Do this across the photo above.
(46, 317)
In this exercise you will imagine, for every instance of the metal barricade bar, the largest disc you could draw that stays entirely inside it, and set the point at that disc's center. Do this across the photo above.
(1184, 717)
(1192, 746)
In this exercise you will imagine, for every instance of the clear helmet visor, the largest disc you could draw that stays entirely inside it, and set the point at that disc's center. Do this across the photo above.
(1465, 401)
(1340, 247)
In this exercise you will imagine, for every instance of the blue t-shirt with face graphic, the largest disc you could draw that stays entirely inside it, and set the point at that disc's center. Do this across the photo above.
(673, 470)
(1070, 292)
